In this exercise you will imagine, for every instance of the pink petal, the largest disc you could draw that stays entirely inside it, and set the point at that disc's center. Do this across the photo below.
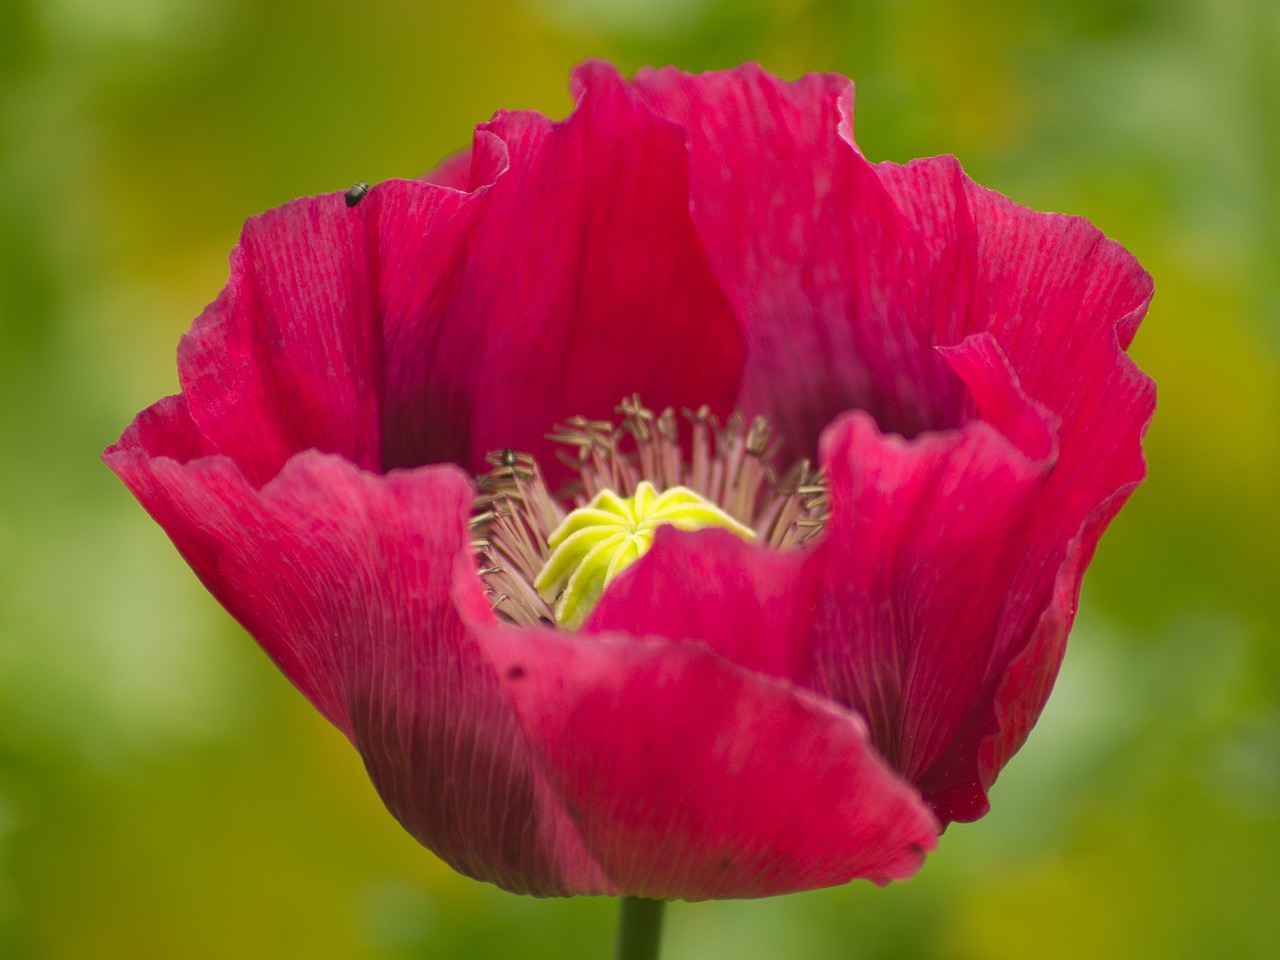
(691, 778)
(352, 583)
(996, 397)
(421, 234)
(287, 358)
(713, 239)
(1063, 302)
(453, 172)
(910, 259)
(583, 280)
(748, 604)
(819, 265)
(165, 429)
(915, 580)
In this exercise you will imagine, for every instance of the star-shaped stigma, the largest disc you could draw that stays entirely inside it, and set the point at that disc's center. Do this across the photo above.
(597, 542)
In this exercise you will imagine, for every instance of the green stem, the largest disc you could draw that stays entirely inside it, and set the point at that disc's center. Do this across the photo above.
(639, 928)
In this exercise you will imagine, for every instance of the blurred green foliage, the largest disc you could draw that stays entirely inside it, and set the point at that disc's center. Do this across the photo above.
(164, 793)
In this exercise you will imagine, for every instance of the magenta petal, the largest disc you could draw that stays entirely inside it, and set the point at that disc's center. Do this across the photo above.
(349, 582)
(1063, 302)
(453, 172)
(584, 279)
(915, 576)
(288, 357)
(997, 398)
(1087, 294)
(421, 236)
(811, 251)
(222, 526)
(731, 720)
(748, 604)
(164, 429)
(691, 778)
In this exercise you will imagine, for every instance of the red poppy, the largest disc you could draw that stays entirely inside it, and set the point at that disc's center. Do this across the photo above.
(359, 468)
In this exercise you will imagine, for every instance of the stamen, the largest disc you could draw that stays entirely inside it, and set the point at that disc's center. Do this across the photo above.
(641, 460)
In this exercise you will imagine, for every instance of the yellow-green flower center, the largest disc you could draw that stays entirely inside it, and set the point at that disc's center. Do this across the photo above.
(597, 542)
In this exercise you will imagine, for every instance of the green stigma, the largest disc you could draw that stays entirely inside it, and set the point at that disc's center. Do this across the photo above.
(595, 543)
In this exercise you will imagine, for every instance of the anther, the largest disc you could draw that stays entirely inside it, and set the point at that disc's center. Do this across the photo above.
(758, 436)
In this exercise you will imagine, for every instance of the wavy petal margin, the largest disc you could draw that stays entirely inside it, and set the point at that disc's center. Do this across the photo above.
(778, 721)
(584, 281)
(353, 583)
(692, 778)
(932, 304)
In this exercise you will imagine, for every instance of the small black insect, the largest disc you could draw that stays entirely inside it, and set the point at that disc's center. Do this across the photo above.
(508, 457)
(356, 193)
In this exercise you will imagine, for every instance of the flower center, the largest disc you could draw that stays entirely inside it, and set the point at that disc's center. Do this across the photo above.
(595, 543)
(548, 558)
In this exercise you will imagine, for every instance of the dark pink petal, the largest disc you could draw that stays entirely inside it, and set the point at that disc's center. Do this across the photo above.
(453, 172)
(165, 429)
(819, 265)
(205, 503)
(996, 397)
(847, 276)
(583, 281)
(352, 583)
(420, 252)
(1063, 302)
(731, 721)
(916, 577)
(1087, 295)
(288, 357)
(749, 604)
(691, 778)
(1000, 720)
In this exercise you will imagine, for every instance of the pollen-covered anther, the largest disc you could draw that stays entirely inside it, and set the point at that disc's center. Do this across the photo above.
(548, 557)
(595, 543)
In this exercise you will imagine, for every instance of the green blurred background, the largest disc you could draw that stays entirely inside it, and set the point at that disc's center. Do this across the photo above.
(164, 792)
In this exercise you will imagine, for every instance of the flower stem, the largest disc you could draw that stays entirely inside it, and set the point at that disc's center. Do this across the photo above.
(639, 928)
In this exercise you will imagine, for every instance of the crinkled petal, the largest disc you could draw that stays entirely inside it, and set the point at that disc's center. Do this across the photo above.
(749, 604)
(352, 583)
(848, 277)
(692, 778)
(713, 238)
(288, 357)
(1063, 302)
(914, 579)
(812, 252)
(996, 397)
(453, 171)
(421, 235)
(583, 280)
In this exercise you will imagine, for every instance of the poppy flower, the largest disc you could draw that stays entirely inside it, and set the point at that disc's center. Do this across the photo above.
(665, 501)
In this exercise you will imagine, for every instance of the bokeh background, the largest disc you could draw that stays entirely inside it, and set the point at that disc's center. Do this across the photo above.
(164, 792)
